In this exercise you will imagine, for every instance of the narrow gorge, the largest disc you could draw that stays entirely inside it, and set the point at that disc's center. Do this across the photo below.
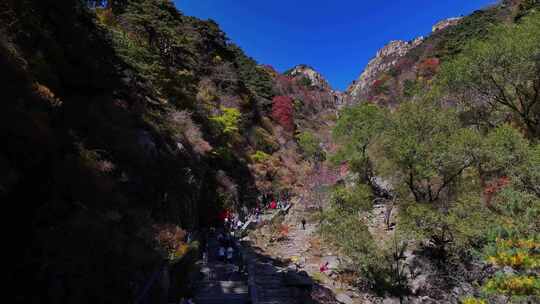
(138, 139)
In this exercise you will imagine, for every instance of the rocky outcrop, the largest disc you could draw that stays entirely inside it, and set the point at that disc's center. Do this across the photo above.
(441, 25)
(315, 102)
(315, 78)
(386, 58)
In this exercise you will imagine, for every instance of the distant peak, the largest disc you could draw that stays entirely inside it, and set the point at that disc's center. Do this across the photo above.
(306, 71)
(299, 68)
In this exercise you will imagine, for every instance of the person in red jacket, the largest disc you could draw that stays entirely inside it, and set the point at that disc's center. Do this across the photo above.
(324, 268)
(273, 205)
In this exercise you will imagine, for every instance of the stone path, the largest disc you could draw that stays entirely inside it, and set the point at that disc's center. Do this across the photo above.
(273, 283)
(299, 247)
(222, 282)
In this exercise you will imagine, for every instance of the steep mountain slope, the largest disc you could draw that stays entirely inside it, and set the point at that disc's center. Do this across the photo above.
(401, 68)
(431, 121)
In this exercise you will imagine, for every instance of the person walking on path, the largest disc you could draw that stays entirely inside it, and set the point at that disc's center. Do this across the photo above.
(230, 252)
(221, 253)
(303, 224)
(324, 268)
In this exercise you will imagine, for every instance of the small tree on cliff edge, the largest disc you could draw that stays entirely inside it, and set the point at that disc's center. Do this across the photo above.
(282, 112)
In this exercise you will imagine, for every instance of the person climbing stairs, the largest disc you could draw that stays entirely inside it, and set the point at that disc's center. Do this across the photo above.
(222, 281)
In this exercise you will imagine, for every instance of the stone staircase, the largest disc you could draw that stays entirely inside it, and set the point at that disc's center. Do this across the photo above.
(222, 292)
(263, 283)
(222, 282)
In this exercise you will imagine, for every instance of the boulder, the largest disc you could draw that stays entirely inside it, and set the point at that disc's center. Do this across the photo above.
(344, 298)
(418, 284)
(391, 301)
(333, 261)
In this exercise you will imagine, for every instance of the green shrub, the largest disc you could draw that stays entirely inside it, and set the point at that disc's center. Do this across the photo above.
(352, 200)
(310, 146)
(256, 78)
(305, 81)
(411, 88)
(264, 140)
(260, 157)
(227, 123)
(514, 286)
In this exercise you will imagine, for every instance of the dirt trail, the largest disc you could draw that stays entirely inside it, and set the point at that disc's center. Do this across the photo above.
(304, 249)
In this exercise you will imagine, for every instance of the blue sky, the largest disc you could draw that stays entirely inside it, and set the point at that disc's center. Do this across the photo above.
(336, 37)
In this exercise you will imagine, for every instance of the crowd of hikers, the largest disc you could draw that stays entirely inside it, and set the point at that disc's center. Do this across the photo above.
(232, 226)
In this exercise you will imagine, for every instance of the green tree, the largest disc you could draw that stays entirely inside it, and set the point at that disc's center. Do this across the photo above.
(347, 232)
(428, 148)
(352, 200)
(356, 130)
(310, 146)
(500, 74)
(527, 173)
(256, 79)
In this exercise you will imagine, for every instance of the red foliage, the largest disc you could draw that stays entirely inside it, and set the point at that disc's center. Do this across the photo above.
(403, 64)
(429, 67)
(378, 83)
(284, 230)
(379, 86)
(283, 112)
(494, 187)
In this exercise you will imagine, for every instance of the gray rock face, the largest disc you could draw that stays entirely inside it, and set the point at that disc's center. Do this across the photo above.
(315, 77)
(333, 261)
(318, 82)
(391, 301)
(344, 298)
(386, 58)
(419, 284)
(441, 25)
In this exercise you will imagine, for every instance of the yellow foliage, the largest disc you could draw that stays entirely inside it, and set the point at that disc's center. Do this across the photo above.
(106, 17)
(473, 301)
(228, 121)
(259, 157)
(181, 250)
(515, 285)
(516, 253)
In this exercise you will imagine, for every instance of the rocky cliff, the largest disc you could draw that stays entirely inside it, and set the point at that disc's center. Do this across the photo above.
(313, 78)
(402, 68)
(386, 58)
(441, 25)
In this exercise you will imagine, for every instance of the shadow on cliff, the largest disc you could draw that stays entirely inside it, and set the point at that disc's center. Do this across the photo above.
(84, 172)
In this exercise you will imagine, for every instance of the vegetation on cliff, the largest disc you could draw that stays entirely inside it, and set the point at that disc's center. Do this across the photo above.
(461, 155)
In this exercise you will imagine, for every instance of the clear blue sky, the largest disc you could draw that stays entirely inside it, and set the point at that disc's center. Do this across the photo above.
(336, 37)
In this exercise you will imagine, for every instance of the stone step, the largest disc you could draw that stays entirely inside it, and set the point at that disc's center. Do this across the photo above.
(222, 288)
(237, 299)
